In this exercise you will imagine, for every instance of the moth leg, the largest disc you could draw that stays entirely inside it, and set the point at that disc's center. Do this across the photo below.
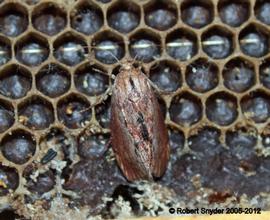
(155, 87)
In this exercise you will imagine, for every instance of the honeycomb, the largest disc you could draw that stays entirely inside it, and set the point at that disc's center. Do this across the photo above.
(209, 61)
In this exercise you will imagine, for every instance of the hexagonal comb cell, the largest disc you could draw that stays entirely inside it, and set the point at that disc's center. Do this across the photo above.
(124, 16)
(6, 115)
(36, 113)
(86, 18)
(74, 111)
(197, 13)
(166, 75)
(161, 16)
(5, 51)
(9, 179)
(254, 40)
(49, 19)
(239, 75)
(145, 46)
(15, 81)
(53, 80)
(205, 141)
(70, 49)
(256, 106)
(202, 75)
(13, 19)
(91, 146)
(32, 49)
(181, 44)
(242, 141)
(18, 146)
(221, 108)
(265, 73)
(233, 13)
(262, 11)
(186, 109)
(40, 184)
(108, 47)
(217, 42)
(91, 80)
(103, 113)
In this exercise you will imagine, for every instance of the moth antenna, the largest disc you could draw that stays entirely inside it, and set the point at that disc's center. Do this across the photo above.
(115, 57)
(86, 109)
(136, 56)
(134, 59)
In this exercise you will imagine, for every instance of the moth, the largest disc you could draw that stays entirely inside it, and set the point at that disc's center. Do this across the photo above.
(139, 135)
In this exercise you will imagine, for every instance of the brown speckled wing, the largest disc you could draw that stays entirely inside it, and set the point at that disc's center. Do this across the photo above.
(123, 146)
(161, 150)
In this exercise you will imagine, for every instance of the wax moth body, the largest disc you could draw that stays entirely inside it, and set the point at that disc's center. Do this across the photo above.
(139, 135)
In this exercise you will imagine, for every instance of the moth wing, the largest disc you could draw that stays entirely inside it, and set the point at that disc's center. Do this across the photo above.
(161, 150)
(124, 148)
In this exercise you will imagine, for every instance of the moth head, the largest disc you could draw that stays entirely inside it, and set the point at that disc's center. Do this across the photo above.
(127, 65)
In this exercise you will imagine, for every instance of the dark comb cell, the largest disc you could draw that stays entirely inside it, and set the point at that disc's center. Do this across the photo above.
(167, 77)
(161, 19)
(70, 53)
(91, 81)
(202, 76)
(18, 147)
(12, 22)
(239, 75)
(221, 109)
(53, 80)
(197, 15)
(50, 20)
(92, 145)
(124, 16)
(31, 51)
(186, 110)
(234, 14)
(36, 114)
(205, 142)
(144, 47)
(241, 143)
(109, 51)
(254, 41)
(44, 183)
(73, 112)
(181, 44)
(86, 19)
(217, 44)
(256, 107)
(15, 82)
(123, 21)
